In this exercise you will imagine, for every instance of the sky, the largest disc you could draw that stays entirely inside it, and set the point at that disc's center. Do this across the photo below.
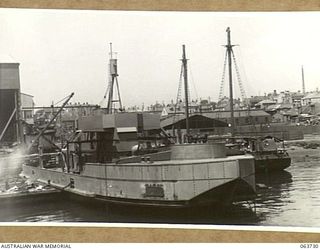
(64, 51)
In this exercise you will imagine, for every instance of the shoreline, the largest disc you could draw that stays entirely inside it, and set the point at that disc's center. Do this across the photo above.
(304, 150)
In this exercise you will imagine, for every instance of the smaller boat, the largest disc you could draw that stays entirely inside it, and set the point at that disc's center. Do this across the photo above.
(269, 152)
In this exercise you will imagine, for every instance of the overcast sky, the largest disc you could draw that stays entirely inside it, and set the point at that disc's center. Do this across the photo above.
(64, 51)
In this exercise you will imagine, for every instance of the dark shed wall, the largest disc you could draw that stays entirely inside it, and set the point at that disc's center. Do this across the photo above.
(7, 105)
(9, 99)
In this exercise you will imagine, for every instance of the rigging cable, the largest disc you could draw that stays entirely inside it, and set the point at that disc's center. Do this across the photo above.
(243, 94)
(193, 84)
(223, 77)
(248, 85)
(178, 94)
(104, 96)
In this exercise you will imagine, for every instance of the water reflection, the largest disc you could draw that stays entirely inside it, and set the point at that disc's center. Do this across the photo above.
(61, 207)
(273, 193)
(273, 187)
(219, 215)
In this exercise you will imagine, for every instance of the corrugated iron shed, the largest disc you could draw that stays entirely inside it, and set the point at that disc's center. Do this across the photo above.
(195, 121)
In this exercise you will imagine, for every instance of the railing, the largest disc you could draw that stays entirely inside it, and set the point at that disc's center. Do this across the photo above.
(47, 160)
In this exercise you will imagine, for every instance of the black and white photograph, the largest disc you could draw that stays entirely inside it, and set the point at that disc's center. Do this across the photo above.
(158, 117)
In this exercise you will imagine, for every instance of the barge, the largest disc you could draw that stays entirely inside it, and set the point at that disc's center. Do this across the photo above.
(186, 175)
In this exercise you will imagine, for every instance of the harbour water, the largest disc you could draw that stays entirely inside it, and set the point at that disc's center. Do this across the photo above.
(287, 198)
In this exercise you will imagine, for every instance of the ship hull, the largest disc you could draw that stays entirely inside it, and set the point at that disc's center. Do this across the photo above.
(271, 163)
(225, 194)
(173, 184)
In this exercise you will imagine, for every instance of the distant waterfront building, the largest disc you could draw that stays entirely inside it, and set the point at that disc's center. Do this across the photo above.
(195, 106)
(297, 99)
(27, 108)
(207, 106)
(283, 97)
(313, 97)
(282, 112)
(265, 104)
(156, 107)
(311, 109)
(241, 117)
(253, 100)
(224, 104)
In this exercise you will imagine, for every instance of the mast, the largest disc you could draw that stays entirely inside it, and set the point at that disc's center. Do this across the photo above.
(185, 76)
(111, 83)
(303, 84)
(113, 78)
(229, 53)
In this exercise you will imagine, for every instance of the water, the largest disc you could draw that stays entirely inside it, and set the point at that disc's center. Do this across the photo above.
(287, 198)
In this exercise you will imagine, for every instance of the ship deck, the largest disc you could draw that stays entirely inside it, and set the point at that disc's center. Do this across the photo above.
(178, 162)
